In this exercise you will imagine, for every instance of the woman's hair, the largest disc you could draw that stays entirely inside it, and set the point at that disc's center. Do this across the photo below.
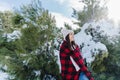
(70, 44)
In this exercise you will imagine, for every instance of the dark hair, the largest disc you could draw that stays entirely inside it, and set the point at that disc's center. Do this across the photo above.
(70, 44)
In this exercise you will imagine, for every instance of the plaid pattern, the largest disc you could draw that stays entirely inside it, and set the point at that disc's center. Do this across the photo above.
(68, 71)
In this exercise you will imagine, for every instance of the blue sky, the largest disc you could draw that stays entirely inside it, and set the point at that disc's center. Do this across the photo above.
(57, 6)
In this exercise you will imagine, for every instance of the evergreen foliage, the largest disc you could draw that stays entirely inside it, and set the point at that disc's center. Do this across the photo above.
(92, 11)
(32, 56)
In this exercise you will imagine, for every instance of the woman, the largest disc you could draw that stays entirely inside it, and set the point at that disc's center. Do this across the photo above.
(69, 49)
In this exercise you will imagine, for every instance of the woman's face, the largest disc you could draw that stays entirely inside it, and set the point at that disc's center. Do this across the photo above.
(71, 37)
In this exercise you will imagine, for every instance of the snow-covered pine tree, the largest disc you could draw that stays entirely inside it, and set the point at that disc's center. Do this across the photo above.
(93, 11)
(33, 53)
(108, 68)
(103, 65)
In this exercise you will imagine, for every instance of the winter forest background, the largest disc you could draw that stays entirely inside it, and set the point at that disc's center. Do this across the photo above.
(30, 38)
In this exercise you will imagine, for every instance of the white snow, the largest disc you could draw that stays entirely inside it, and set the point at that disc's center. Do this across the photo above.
(90, 46)
(61, 20)
(58, 58)
(107, 27)
(12, 36)
(3, 76)
(37, 72)
(76, 4)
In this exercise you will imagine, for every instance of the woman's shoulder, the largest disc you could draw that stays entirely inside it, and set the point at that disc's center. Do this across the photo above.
(64, 45)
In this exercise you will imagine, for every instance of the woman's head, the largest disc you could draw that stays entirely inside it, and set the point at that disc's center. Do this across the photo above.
(70, 41)
(70, 37)
(66, 32)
